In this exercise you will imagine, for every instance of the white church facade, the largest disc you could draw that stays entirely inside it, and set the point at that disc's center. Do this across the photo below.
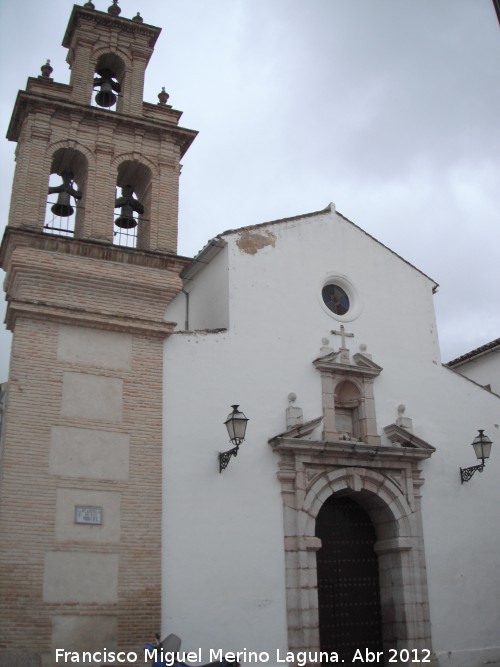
(352, 517)
(371, 415)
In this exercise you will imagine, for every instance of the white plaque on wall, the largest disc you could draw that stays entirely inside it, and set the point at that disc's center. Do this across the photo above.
(88, 514)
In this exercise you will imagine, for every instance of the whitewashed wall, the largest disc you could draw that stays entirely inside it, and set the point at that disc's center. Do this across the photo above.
(223, 560)
(204, 303)
(483, 369)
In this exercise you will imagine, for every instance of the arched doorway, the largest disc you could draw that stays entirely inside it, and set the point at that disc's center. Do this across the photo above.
(387, 481)
(348, 580)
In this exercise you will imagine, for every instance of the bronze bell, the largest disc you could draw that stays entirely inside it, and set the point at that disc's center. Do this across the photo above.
(126, 219)
(62, 207)
(128, 205)
(106, 97)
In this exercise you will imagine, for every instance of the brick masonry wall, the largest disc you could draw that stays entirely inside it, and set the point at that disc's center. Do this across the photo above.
(83, 416)
(53, 283)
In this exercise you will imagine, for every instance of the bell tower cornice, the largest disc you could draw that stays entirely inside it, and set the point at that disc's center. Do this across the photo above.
(90, 18)
(52, 96)
(105, 287)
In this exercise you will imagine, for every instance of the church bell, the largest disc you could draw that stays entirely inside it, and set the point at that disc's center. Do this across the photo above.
(106, 97)
(128, 205)
(63, 207)
(126, 220)
(65, 191)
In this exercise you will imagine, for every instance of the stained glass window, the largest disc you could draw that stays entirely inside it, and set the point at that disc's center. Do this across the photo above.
(335, 299)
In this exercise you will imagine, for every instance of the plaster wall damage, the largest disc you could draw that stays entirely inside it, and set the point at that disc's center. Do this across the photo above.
(251, 242)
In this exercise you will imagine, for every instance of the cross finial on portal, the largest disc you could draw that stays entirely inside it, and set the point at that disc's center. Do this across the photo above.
(344, 335)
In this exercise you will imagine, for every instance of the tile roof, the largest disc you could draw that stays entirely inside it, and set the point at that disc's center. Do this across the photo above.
(487, 347)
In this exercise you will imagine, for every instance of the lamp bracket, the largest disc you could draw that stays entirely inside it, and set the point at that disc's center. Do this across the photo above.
(466, 473)
(225, 457)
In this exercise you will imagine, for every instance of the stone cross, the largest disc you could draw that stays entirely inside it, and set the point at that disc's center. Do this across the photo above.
(344, 335)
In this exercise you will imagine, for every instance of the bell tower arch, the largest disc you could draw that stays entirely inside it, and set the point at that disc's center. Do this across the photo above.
(80, 487)
(102, 109)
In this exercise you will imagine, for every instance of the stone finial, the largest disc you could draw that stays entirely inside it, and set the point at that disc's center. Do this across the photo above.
(138, 18)
(402, 421)
(47, 69)
(294, 415)
(89, 5)
(325, 347)
(163, 97)
(113, 9)
(363, 348)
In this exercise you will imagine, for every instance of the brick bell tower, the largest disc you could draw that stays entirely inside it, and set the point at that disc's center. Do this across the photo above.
(89, 275)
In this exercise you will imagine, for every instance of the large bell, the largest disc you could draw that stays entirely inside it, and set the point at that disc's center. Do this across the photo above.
(128, 205)
(126, 220)
(62, 207)
(106, 97)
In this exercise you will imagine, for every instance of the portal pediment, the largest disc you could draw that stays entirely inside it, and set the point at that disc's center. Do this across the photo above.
(299, 430)
(360, 366)
(348, 452)
(402, 437)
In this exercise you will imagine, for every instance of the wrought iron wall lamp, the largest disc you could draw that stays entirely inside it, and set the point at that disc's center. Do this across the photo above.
(482, 448)
(236, 424)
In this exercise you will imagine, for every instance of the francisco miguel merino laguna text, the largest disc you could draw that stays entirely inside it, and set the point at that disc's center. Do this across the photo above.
(170, 659)
(300, 658)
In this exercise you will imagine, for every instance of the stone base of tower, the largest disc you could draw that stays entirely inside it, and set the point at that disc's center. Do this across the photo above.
(82, 448)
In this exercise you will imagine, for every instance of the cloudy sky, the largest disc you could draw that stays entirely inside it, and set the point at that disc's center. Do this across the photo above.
(388, 108)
